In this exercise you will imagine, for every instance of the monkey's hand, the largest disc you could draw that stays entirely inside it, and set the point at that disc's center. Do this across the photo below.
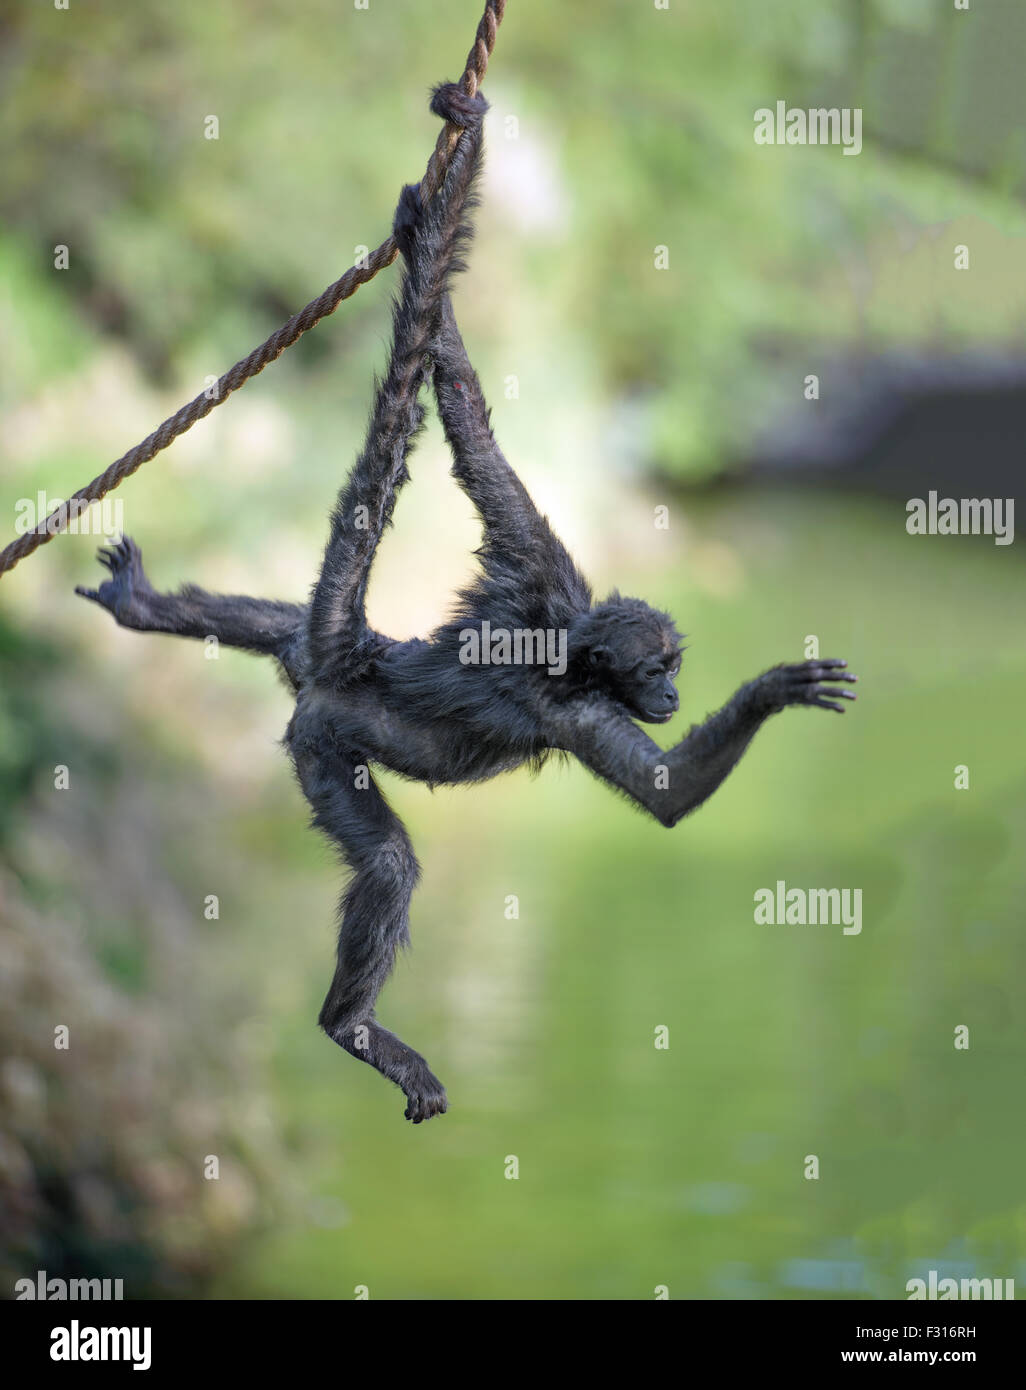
(803, 684)
(127, 591)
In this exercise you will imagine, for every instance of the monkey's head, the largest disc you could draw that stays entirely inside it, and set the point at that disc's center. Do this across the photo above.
(632, 652)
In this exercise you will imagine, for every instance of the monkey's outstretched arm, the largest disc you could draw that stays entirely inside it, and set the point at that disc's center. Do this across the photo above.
(430, 240)
(670, 783)
(257, 625)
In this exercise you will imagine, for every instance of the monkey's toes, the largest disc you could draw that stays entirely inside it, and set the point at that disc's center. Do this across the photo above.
(451, 102)
(426, 1101)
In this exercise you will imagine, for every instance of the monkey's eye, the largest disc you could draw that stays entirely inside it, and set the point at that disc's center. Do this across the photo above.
(653, 673)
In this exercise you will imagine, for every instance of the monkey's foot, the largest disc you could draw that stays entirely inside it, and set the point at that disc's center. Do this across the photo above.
(425, 1097)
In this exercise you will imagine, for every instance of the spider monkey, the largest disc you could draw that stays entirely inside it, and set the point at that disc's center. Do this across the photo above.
(414, 706)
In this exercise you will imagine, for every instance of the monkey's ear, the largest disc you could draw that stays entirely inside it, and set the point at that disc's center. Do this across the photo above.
(600, 657)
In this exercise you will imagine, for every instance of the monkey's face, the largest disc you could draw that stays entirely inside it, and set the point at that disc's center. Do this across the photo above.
(634, 652)
(650, 694)
(641, 677)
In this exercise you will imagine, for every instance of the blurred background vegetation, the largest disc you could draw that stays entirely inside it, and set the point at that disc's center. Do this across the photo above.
(637, 388)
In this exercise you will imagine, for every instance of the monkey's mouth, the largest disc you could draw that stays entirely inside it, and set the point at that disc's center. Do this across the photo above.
(659, 718)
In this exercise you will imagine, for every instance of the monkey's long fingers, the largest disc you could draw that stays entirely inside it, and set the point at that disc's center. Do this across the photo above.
(814, 671)
(92, 594)
(820, 703)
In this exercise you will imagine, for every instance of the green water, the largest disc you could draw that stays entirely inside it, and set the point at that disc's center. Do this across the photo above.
(684, 1166)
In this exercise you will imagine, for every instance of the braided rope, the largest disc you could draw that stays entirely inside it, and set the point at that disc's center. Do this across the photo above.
(319, 308)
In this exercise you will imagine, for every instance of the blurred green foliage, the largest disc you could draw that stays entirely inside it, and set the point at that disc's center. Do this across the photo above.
(104, 1137)
(634, 130)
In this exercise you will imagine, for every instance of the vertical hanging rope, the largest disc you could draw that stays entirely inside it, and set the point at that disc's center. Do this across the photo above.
(319, 308)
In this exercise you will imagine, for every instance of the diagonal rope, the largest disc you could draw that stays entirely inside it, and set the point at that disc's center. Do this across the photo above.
(319, 308)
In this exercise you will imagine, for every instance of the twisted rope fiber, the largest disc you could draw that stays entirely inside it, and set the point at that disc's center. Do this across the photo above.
(319, 308)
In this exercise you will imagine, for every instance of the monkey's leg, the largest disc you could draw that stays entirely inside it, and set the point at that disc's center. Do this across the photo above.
(374, 920)
(256, 625)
